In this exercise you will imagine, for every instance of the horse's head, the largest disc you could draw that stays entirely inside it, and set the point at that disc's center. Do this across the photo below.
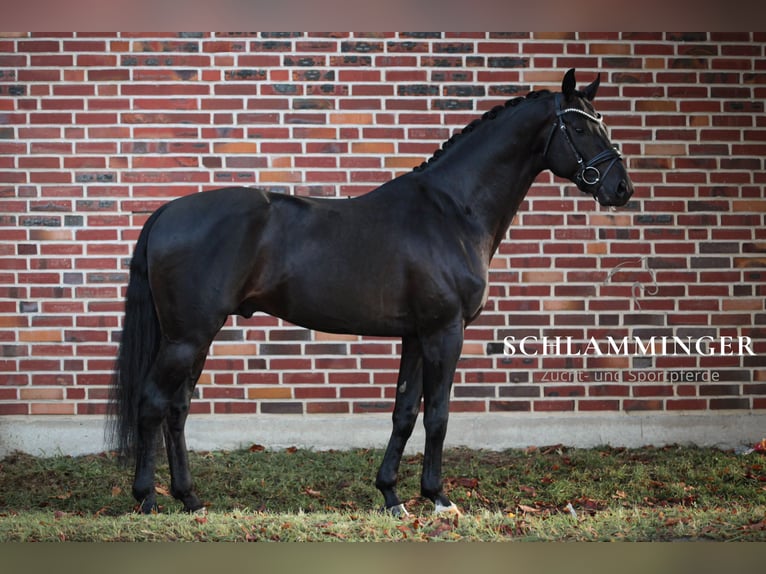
(579, 149)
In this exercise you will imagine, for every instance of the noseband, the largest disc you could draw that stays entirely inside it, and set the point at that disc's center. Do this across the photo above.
(587, 173)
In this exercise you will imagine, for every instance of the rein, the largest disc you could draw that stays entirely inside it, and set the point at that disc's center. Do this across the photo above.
(587, 173)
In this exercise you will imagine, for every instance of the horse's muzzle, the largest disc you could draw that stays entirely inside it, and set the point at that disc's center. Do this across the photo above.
(617, 198)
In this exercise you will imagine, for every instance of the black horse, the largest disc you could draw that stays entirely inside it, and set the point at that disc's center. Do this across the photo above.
(409, 259)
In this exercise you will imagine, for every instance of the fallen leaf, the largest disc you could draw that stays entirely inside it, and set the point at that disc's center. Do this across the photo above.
(528, 509)
(313, 493)
(291, 449)
(65, 496)
(757, 526)
(468, 482)
(257, 448)
(161, 490)
(590, 504)
(116, 491)
(441, 528)
(619, 494)
(521, 528)
(200, 519)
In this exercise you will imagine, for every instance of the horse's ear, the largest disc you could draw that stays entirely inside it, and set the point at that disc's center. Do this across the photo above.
(590, 91)
(569, 84)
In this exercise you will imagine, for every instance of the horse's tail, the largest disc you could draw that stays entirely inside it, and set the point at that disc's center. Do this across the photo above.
(138, 349)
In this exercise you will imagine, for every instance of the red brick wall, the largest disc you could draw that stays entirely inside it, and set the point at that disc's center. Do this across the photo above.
(96, 131)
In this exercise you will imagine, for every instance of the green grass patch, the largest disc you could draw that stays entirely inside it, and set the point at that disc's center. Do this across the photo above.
(648, 494)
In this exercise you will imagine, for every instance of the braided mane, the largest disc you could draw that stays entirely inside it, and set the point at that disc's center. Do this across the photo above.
(487, 116)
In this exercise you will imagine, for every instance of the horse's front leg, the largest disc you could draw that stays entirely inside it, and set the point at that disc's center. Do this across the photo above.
(441, 352)
(409, 391)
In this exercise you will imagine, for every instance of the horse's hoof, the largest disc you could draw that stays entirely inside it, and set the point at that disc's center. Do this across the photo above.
(193, 505)
(398, 511)
(148, 508)
(451, 509)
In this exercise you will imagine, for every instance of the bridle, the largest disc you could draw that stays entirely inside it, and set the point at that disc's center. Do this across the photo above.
(587, 174)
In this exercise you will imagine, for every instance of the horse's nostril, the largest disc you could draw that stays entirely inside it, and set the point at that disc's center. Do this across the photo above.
(623, 189)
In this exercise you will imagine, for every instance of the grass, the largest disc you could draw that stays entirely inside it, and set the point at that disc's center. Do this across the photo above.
(649, 494)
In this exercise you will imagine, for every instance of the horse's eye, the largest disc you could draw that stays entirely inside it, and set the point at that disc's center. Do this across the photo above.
(579, 130)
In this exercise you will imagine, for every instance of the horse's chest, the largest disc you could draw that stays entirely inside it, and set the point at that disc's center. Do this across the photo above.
(477, 293)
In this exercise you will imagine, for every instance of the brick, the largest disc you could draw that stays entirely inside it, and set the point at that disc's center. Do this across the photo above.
(598, 405)
(41, 336)
(235, 408)
(38, 394)
(352, 118)
(52, 409)
(686, 404)
(13, 409)
(509, 406)
(553, 405)
(335, 407)
(726, 404)
(642, 405)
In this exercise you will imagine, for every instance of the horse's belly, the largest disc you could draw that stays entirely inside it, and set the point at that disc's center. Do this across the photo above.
(348, 308)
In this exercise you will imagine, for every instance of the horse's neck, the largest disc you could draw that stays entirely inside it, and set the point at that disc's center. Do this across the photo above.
(490, 170)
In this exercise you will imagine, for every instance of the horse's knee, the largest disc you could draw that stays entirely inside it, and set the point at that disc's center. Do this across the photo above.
(152, 407)
(177, 413)
(435, 424)
(168, 392)
(404, 422)
(179, 355)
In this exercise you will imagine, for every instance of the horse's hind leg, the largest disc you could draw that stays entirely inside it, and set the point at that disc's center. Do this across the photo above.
(408, 395)
(181, 486)
(170, 373)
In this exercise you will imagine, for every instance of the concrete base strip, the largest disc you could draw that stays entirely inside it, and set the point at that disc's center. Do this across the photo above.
(54, 435)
